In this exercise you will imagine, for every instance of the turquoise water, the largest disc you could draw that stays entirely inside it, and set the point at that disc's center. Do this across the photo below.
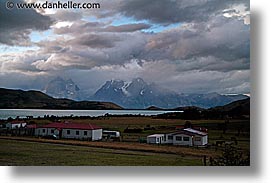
(6, 113)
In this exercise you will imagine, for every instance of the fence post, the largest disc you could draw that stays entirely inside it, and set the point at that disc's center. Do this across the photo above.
(204, 160)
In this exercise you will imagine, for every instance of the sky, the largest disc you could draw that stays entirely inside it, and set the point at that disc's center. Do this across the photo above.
(198, 46)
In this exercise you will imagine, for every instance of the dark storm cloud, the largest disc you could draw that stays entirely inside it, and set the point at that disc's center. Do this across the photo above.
(67, 15)
(190, 47)
(76, 27)
(88, 27)
(173, 11)
(16, 25)
(22, 63)
(127, 28)
(96, 41)
(90, 50)
(204, 52)
(220, 44)
(195, 80)
(49, 47)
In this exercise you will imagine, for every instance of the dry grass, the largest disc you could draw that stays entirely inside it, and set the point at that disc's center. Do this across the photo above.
(22, 153)
(183, 151)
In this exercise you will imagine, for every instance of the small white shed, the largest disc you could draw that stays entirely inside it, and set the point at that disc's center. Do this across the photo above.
(156, 139)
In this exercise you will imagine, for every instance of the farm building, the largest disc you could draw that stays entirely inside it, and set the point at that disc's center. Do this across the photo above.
(156, 139)
(70, 131)
(185, 137)
(111, 134)
(15, 125)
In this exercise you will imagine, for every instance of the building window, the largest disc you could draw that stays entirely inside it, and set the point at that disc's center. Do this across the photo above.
(77, 132)
(85, 133)
(197, 139)
(185, 138)
(52, 131)
(178, 138)
(68, 132)
(170, 137)
(43, 130)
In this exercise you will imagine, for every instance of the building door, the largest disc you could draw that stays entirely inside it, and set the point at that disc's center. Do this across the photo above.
(60, 134)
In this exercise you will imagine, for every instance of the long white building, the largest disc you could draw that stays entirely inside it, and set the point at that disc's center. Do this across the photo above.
(71, 131)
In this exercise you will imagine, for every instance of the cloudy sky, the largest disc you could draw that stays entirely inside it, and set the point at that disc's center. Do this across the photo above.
(190, 46)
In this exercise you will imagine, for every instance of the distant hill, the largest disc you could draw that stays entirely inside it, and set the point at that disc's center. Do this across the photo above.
(188, 108)
(19, 99)
(236, 110)
(154, 108)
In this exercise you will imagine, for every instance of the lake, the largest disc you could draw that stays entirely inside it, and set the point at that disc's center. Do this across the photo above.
(22, 113)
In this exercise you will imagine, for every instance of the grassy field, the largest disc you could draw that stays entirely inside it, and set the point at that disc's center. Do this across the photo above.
(20, 153)
(127, 152)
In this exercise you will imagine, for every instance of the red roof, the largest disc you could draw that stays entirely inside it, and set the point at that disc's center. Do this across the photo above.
(189, 133)
(180, 127)
(67, 125)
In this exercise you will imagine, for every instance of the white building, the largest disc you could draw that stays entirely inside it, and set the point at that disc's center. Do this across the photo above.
(156, 139)
(111, 134)
(15, 125)
(71, 131)
(185, 137)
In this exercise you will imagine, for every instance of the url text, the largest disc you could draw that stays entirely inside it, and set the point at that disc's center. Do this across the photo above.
(54, 5)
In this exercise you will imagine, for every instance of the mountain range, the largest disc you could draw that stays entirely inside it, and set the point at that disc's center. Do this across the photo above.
(138, 94)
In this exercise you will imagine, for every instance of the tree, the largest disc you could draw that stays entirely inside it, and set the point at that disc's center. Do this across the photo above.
(188, 124)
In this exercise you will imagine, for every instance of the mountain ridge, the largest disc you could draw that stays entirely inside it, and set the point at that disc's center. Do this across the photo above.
(19, 99)
(235, 110)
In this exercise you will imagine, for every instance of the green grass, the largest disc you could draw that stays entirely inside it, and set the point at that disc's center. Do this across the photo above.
(26, 153)
(19, 153)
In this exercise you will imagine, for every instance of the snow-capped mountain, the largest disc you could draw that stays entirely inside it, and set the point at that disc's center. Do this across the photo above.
(138, 94)
(60, 88)
(134, 94)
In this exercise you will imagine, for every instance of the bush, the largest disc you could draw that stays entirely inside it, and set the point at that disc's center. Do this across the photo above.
(231, 157)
